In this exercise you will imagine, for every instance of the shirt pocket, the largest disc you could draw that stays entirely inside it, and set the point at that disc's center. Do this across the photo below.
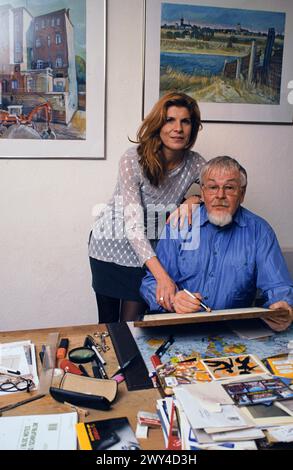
(189, 263)
(244, 282)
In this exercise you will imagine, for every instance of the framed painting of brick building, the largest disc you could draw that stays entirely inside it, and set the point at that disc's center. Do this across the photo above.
(233, 57)
(52, 78)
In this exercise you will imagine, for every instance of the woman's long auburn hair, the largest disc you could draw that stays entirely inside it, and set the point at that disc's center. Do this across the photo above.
(148, 135)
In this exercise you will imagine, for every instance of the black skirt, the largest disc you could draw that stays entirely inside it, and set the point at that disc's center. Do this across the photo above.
(114, 280)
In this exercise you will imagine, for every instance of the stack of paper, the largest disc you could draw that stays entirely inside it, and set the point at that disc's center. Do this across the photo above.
(211, 411)
(19, 356)
(189, 438)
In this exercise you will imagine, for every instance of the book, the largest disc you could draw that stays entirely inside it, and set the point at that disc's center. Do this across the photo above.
(174, 436)
(172, 374)
(107, 434)
(38, 432)
(280, 366)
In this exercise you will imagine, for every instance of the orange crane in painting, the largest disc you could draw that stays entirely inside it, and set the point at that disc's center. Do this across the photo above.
(7, 119)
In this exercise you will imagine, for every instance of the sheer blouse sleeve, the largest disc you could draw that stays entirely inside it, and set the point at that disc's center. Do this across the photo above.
(129, 181)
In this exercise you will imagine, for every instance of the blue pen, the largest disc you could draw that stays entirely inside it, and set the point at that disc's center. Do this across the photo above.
(229, 445)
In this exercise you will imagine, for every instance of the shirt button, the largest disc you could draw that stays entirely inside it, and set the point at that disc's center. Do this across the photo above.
(215, 253)
(211, 275)
(206, 297)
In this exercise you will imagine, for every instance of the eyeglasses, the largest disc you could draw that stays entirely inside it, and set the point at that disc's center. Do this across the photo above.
(16, 385)
(230, 189)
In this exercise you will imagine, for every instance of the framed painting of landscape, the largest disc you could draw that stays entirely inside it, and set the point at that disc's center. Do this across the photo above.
(52, 79)
(233, 57)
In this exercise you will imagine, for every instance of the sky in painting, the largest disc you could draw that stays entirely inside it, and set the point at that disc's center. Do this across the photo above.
(253, 20)
(77, 15)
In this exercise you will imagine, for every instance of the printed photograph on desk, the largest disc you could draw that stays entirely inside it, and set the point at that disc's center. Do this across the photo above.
(107, 434)
(233, 366)
(258, 391)
(172, 374)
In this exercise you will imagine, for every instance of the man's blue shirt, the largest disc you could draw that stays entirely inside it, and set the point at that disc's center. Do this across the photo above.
(229, 264)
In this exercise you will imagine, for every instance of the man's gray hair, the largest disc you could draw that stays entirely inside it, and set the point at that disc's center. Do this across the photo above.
(225, 163)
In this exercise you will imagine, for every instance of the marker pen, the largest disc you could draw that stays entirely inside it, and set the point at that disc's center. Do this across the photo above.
(102, 370)
(125, 365)
(98, 370)
(155, 360)
(4, 370)
(62, 348)
(90, 343)
(163, 348)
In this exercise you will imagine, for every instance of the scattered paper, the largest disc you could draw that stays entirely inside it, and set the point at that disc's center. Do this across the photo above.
(19, 355)
(209, 395)
(281, 434)
(141, 431)
(251, 329)
(200, 417)
(238, 435)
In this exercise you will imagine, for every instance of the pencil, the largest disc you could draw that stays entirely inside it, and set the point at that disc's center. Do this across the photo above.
(22, 402)
(203, 305)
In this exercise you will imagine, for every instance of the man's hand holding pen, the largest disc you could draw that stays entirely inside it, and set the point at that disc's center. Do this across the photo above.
(186, 302)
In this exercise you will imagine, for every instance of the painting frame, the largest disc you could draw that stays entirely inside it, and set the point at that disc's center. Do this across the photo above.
(93, 146)
(242, 113)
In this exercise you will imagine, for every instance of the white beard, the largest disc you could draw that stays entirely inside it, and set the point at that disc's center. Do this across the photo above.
(220, 219)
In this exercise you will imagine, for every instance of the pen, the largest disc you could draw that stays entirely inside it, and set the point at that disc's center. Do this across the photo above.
(42, 353)
(98, 369)
(124, 366)
(83, 370)
(208, 309)
(101, 370)
(90, 343)
(3, 370)
(19, 403)
(163, 348)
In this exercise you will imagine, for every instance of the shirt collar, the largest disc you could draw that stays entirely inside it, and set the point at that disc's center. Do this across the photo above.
(238, 217)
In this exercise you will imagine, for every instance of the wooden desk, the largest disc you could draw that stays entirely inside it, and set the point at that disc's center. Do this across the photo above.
(126, 404)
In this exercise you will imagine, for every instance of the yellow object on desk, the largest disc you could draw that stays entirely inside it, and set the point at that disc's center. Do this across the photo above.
(281, 366)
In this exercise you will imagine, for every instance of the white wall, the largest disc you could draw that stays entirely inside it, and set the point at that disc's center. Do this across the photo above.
(45, 206)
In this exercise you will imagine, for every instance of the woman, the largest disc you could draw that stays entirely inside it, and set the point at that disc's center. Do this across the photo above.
(153, 176)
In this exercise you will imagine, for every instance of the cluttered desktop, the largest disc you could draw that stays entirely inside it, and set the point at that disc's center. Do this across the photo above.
(222, 387)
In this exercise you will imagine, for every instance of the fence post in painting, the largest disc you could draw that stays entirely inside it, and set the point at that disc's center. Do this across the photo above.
(238, 68)
(251, 63)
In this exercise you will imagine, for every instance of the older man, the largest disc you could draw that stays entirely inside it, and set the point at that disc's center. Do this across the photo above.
(238, 253)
